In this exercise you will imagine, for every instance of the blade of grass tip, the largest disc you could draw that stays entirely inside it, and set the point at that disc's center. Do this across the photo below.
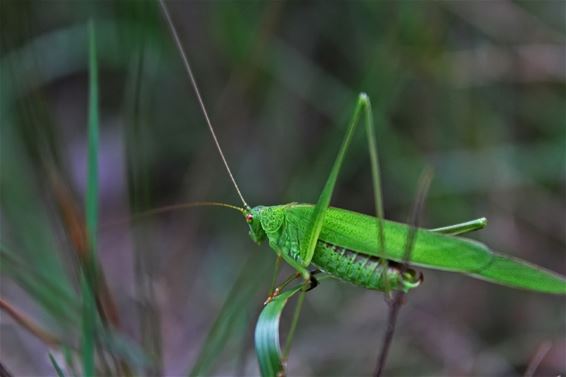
(56, 366)
(88, 276)
(268, 349)
(395, 305)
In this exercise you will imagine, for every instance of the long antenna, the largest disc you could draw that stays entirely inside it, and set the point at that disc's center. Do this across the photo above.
(175, 207)
(197, 92)
(169, 208)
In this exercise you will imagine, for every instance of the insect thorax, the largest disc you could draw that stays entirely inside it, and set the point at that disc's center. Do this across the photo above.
(265, 221)
(271, 218)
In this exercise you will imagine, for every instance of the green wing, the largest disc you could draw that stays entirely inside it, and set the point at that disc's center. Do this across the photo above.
(356, 232)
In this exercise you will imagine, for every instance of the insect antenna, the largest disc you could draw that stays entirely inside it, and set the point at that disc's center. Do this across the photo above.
(395, 303)
(169, 208)
(199, 97)
(175, 207)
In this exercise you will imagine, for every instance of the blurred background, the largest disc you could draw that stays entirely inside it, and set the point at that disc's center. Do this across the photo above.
(475, 89)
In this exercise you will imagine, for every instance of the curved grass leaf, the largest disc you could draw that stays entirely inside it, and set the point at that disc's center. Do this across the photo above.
(267, 345)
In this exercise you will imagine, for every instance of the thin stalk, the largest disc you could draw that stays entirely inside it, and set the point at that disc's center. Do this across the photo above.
(28, 324)
(88, 277)
(296, 316)
(276, 270)
(395, 305)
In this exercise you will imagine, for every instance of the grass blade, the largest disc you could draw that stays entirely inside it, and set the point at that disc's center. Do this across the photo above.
(88, 281)
(267, 344)
(28, 324)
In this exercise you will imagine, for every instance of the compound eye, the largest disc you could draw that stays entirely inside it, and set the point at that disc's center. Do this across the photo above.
(249, 218)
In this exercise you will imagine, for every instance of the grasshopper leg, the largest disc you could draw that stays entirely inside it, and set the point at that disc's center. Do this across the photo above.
(310, 284)
(281, 286)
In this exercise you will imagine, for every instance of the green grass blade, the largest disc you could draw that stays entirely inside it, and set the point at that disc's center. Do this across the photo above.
(56, 366)
(88, 277)
(268, 348)
(30, 253)
(93, 141)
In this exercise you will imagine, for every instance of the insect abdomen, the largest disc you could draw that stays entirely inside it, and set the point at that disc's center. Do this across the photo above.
(363, 270)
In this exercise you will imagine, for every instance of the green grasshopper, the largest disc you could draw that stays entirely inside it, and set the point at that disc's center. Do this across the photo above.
(344, 243)
(365, 250)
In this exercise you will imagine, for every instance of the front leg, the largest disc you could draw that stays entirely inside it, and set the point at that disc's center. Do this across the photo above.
(309, 284)
(309, 281)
